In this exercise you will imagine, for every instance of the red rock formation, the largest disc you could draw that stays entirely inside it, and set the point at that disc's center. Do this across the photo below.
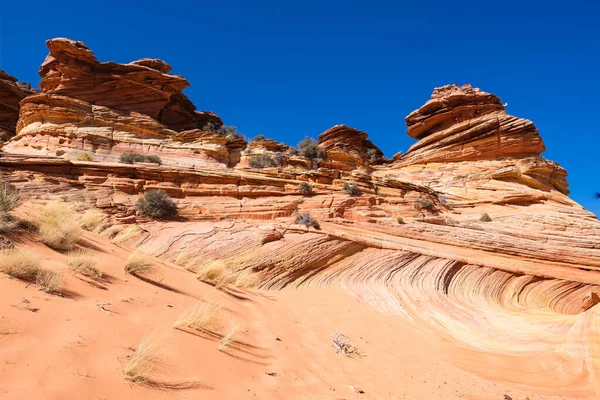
(348, 148)
(11, 92)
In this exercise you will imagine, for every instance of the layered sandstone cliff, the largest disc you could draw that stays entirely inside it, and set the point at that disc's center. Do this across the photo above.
(11, 93)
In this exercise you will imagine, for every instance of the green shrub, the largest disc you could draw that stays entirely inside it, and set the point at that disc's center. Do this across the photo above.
(156, 204)
(227, 131)
(352, 189)
(306, 220)
(130, 158)
(485, 217)
(310, 149)
(423, 203)
(305, 188)
(261, 161)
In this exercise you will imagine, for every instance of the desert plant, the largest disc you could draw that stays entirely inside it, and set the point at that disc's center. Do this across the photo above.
(140, 265)
(19, 264)
(309, 148)
(211, 272)
(201, 317)
(141, 367)
(119, 234)
(400, 220)
(228, 337)
(304, 218)
(305, 188)
(84, 157)
(261, 161)
(130, 158)
(485, 217)
(49, 281)
(93, 220)
(9, 198)
(423, 203)
(83, 263)
(373, 154)
(342, 344)
(292, 151)
(279, 159)
(57, 225)
(352, 189)
(156, 204)
(258, 138)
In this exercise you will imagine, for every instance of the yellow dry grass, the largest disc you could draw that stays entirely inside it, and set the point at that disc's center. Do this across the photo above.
(57, 224)
(202, 316)
(83, 263)
(140, 265)
(142, 365)
(228, 337)
(19, 263)
(126, 234)
(49, 281)
(93, 220)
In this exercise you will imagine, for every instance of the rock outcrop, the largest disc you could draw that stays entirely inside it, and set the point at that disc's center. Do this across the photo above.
(348, 148)
(11, 93)
(106, 109)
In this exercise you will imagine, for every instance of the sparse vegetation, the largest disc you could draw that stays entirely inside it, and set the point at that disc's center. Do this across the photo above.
(9, 200)
(93, 220)
(258, 138)
(343, 345)
(305, 188)
(140, 265)
(130, 158)
(373, 154)
(261, 161)
(50, 281)
(423, 203)
(210, 272)
(310, 149)
(228, 337)
(400, 220)
(227, 131)
(304, 218)
(57, 224)
(292, 151)
(120, 234)
(201, 317)
(156, 204)
(83, 263)
(84, 157)
(19, 264)
(141, 366)
(352, 189)
(485, 217)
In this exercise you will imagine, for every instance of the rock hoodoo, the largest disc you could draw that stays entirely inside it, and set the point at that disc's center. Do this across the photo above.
(348, 148)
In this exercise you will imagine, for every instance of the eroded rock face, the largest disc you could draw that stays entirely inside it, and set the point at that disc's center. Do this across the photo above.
(467, 124)
(11, 93)
(348, 148)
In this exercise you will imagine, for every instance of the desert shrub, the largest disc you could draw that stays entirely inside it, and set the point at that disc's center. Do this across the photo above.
(228, 337)
(130, 158)
(142, 365)
(210, 272)
(309, 148)
(372, 154)
(292, 151)
(279, 159)
(201, 317)
(83, 263)
(57, 225)
(424, 203)
(305, 188)
(49, 281)
(84, 157)
(261, 161)
(304, 218)
(19, 264)
(227, 131)
(400, 220)
(9, 198)
(93, 220)
(258, 138)
(485, 217)
(352, 189)
(156, 204)
(140, 265)
(342, 344)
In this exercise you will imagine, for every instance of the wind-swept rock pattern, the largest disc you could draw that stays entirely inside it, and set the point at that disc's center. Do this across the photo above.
(11, 93)
(469, 235)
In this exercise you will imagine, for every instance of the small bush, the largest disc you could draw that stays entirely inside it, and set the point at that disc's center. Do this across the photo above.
(227, 131)
(93, 220)
(352, 189)
(305, 188)
(310, 149)
(307, 220)
(142, 366)
(84, 157)
(423, 203)
(485, 217)
(140, 265)
(130, 158)
(201, 317)
(400, 220)
(261, 161)
(228, 337)
(19, 264)
(156, 204)
(258, 138)
(57, 225)
(9, 198)
(372, 154)
(292, 151)
(49, 281)
(83, 263)
(279, 159)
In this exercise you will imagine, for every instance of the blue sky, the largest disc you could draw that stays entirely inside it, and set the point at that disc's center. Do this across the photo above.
(290, 69)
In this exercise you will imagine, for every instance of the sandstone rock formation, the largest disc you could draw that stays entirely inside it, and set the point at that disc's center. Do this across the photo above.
(11, 93)
(348, 148)
(514, 296)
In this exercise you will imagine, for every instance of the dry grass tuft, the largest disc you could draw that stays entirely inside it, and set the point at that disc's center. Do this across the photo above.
(49, 281)
(142, 366)
(126, 234)
(228, 337)
(201, 317)
(141, 265)
(212, 272)
(19, 264)
(83, 263)
(57, 224)
(93, 220)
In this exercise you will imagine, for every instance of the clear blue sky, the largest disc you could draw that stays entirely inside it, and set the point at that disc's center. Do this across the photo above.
(290, 69)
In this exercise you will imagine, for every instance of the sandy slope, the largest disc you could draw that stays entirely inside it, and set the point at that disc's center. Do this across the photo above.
(65, 347)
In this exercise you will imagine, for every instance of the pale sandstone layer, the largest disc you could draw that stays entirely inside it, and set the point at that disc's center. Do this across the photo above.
(511, 299)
